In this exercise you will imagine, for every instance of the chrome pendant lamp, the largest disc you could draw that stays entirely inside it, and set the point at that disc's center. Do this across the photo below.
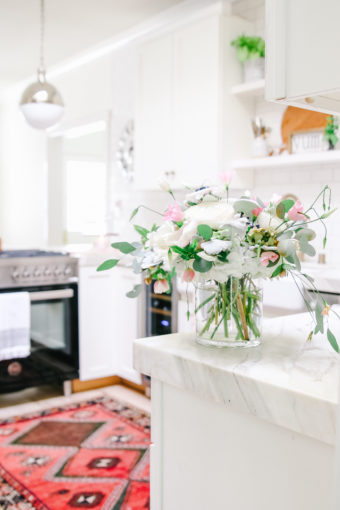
(41, 103)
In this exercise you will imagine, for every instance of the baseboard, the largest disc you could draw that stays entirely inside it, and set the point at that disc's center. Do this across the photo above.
(93, 384)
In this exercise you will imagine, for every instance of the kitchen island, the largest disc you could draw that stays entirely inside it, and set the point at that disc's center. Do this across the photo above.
(242, 429)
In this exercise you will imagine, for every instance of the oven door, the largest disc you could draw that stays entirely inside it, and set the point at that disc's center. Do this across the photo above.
(54, 321)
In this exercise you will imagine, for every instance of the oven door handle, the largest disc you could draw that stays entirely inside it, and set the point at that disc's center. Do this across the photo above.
(47, 295)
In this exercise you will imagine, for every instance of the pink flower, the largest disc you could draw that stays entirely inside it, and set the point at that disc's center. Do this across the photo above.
(268, 256)
(257, 211)
(226, 177)
(174, 213)
(161, 286)
(295, 213)
(188, 275)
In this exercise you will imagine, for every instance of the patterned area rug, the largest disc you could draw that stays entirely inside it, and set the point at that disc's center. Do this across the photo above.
(92, 454)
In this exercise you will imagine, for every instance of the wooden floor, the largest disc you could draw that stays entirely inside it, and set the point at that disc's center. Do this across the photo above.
(32, 399)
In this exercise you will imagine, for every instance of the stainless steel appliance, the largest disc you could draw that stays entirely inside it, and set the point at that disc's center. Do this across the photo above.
(50, 278)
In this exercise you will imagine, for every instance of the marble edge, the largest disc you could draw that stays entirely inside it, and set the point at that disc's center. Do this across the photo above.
(285, 406)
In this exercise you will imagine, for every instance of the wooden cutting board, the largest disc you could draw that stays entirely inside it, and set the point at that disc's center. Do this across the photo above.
(299, 119)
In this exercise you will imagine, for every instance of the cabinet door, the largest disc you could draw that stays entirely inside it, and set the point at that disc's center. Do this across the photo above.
(97, 298)
(126, 323)
(197, 50)
(302, 42)
(154, 112)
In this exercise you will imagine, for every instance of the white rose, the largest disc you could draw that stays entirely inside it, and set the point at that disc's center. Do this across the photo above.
(266, 220)
(214, 214)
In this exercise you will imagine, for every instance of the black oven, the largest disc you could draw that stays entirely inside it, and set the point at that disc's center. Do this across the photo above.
(54, 339)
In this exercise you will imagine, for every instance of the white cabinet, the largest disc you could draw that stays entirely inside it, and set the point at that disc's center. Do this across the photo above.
(302, 52)
(108, 323)
(187, 120)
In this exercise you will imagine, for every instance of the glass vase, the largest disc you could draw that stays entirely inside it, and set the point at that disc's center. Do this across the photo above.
(229, 314)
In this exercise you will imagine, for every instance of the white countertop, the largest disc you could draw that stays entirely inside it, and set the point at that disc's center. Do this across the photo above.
(285, 381)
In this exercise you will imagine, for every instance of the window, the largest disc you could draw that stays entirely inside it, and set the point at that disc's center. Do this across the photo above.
(85, 198)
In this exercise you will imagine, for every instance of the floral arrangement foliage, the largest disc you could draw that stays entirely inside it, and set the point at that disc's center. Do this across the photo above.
(211, 236)
(249, 47)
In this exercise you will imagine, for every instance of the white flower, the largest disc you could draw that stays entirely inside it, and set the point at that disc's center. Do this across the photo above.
(164, 183)
(239, 224)
(214, 214)
(163, 237)
(215, 246)
(209, 194)
(151, 259)
(265, 220)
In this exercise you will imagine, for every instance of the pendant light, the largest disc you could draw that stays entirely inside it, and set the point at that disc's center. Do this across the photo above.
(41, 103)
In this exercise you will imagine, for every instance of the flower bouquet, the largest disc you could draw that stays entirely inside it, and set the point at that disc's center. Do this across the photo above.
(225, 247)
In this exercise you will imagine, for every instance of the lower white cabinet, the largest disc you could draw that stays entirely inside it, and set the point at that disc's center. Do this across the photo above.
(108, 323)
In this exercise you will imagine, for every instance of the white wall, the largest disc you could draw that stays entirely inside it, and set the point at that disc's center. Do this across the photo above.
(23, 178)
(93, 89)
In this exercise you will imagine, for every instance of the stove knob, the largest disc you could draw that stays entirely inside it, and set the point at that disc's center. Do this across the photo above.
(67, 271)
(57, 271)
(36, 272)
(26, 273)
(47, 271)
(15, 274)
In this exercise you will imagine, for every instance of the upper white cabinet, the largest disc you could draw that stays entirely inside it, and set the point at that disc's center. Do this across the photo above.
(187, 121)
(302, 53)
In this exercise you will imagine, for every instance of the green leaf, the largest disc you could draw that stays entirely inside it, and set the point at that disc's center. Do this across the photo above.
(205, 231)
(135, 291)
(280, 211)
(141, 231)
(278, 270)
(332, 340)
(134, 212)
(202, 265)
(124, 247)
(319, 316)
(108, 264)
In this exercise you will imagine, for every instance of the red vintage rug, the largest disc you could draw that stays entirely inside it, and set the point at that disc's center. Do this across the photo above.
(87, 455)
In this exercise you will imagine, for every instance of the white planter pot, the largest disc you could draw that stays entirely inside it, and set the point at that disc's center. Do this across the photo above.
(253, 69)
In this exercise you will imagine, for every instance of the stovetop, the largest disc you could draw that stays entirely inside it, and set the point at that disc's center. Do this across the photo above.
(10, 254)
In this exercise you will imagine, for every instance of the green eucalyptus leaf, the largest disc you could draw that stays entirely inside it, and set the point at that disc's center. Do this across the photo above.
(108, 264)
(124, 247)
(135, 291)
(280, 211)
(332, 340)
(205, 231)
(245, 206)
(202, 265)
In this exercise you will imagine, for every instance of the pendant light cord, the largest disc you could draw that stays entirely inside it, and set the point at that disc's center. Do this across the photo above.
(42, 37)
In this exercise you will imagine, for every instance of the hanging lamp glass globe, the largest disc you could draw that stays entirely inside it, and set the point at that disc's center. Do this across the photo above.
(41, 103)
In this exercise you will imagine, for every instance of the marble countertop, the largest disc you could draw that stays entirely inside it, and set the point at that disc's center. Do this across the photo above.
(286, 381)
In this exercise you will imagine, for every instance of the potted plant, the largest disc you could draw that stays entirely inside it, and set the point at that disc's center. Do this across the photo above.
(330, 133)
(250, 52)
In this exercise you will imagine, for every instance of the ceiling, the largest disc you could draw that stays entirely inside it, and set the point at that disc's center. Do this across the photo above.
(72, 26)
